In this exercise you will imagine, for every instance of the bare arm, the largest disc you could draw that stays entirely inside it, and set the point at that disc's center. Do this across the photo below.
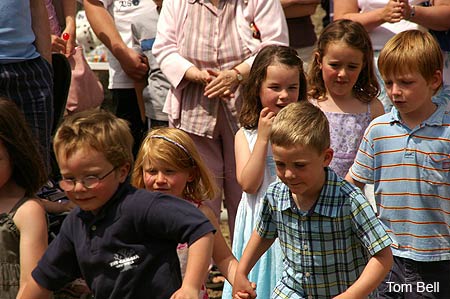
(31, 221)
(436, 17)
(376, 108)
(199, 258)
(348, 9)
(41, 28)
(255, 248)
(225, 82)
(358, 184)
(33, 290)
(69, 11)
(250, 165)
(299, 8)
(373, 274)
(104, 27)
(59, 44)
(222, 255)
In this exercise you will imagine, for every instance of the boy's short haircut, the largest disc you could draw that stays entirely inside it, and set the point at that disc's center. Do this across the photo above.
(98, 129)
(411, 51)
(301, 123)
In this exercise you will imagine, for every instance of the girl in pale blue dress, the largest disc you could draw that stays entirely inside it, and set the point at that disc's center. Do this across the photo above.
(275, 80)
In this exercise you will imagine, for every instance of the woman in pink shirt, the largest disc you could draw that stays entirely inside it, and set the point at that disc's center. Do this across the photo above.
(205, 49)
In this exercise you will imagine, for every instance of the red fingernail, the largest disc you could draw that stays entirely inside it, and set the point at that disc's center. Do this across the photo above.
(66, 36)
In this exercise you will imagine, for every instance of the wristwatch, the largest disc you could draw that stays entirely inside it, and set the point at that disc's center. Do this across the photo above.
(238, 75)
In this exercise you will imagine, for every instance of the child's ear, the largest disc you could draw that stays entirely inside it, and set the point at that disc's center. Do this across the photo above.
(124, 171)
(436, 80)
(192, 174)
(327, 156)
(318, 59)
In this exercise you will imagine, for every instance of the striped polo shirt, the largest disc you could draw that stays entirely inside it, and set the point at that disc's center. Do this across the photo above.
(410, 170)
(327, 248)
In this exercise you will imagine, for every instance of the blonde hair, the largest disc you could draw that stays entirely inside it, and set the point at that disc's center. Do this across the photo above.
(301, 123)
(174, 147)
(98, 129)
(411, 51)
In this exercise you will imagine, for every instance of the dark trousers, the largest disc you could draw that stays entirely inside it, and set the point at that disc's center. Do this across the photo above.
(128, 109)
(30, 85)
(410, 279)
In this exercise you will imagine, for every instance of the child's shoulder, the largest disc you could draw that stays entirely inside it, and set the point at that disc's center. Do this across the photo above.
(277, 189)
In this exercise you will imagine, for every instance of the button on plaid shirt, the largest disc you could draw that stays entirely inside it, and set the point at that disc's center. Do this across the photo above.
(325, 249)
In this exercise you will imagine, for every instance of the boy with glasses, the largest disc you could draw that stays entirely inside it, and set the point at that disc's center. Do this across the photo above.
(121, 240)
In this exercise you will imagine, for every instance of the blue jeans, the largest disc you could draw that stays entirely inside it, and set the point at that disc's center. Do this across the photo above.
(410, 279)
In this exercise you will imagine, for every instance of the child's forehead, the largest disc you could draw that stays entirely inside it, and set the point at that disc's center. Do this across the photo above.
(293, 150)
(157, 163)
(401, 74)
(81, 152)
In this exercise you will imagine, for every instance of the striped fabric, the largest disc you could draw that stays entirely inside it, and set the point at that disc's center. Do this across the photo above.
(410, 170)
(217, 46)
(326, 249)
(30, 85)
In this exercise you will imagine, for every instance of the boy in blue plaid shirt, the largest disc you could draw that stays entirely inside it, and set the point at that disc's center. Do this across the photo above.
(333, 244)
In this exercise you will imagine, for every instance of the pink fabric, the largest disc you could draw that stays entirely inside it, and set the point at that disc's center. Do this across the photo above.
(85, 91)
(268, 14)
(223, 52)
(55, 28)
(218, 154)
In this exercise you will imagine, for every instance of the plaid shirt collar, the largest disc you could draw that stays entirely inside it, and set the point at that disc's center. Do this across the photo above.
(328, 202)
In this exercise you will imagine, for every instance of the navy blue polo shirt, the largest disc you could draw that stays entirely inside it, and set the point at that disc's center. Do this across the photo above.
(127, 250)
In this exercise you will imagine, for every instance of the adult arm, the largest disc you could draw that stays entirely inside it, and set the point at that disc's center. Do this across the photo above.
(165, 48)
(199, 258)
(373, 274)
(269, 18)
(69, 11)
(31, 222)
(299, 8)
(58, 43)
(348, 9)
(250, 165)
(436, 17)
(132, 63)
(41, 28)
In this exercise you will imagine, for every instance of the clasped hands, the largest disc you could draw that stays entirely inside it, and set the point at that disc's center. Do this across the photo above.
(396, 10)
(220, 84)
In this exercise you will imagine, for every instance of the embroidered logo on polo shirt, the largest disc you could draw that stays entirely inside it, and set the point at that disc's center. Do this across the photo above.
(125, 260)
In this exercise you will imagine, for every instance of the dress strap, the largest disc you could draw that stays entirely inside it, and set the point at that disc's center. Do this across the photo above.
(18, 204)
(314, 102)
(368, 109)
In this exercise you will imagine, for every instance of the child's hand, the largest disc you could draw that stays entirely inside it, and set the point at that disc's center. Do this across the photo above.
(265, 123)
(185, 293)
(245, 295)
(347, 295)
(242, 288)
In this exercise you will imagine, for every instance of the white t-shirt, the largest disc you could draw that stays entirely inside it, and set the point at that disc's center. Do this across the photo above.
(125, 13)
(384, 32)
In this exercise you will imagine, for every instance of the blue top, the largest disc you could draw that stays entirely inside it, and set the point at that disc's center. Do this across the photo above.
(325, 249)
(127, 250)
(16, 34)
(410, 170)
